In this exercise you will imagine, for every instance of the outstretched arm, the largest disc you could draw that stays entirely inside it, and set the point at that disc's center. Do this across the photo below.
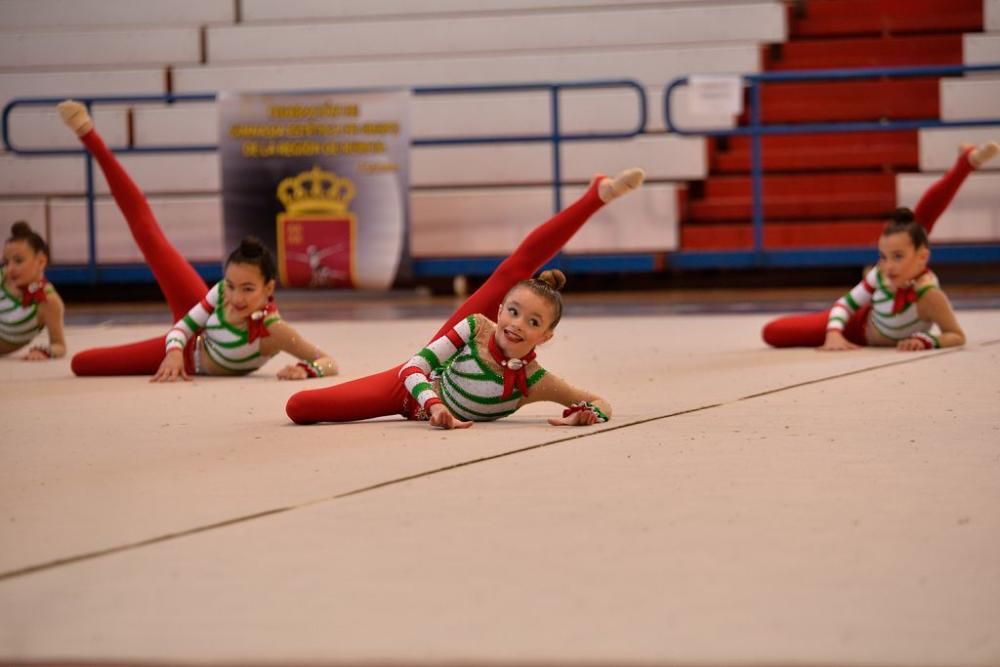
(52, 314)
(313, 362)
(582, 407)
(935, 307)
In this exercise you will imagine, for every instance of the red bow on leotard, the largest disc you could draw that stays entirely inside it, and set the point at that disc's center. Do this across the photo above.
(906, 295)
(34, 293)
(514, 372)
(255, 325)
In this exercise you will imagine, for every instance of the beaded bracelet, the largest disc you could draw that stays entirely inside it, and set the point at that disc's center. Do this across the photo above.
(311, 368)
(589, 407)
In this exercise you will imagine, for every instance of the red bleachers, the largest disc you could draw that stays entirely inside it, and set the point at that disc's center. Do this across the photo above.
(812, 152)
(824, 190)
(826, 18)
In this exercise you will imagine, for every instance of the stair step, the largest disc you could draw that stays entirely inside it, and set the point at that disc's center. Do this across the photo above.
(870, 100)
(784, 235)
(910, 50)
(879, 17)
(794, 197)
(862, 150)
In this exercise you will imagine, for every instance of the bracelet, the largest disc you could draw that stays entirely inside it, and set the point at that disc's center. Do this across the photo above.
(312, 368)
(44, 350)
(929, 341)
(586, 406)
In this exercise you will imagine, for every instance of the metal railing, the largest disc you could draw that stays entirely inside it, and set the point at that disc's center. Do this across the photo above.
(96, 273)
(759, 256)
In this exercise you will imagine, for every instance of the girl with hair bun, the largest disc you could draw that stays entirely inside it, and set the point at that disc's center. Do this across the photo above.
(475, 368)
(231, 329)
(28, 302)
(899, 301)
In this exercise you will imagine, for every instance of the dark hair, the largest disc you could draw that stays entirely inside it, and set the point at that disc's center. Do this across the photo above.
(902, 221)
(547, 285)
(252, 251)
(22, 231)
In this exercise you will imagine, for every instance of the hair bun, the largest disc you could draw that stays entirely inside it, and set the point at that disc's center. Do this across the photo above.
(20, 229)
(903, 215)
(554, 278)
(251, 247)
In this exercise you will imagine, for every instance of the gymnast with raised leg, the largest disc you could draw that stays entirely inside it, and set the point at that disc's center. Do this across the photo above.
(899, 301)
(475, 369)
(233, 328)
(28, 302)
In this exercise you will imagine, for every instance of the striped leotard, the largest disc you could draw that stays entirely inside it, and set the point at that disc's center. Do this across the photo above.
(18, 324)
(228, 346)
(457, 370)
(884, 317)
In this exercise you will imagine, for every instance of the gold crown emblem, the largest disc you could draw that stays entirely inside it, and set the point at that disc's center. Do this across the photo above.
(315, 192)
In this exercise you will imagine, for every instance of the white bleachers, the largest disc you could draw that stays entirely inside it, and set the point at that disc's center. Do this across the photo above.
(939, 146)
(99, 48)
(653, 67)
(47, 14)
(974, 214)
(193, 225)
(991, 15)
(299, 10)
(665, 158)
(761, 22)
(981, 49)
(40, 127)
(81, 83)
(443, 223)
(970, 98)
(643, 221)
(514, 113)
(155, 174)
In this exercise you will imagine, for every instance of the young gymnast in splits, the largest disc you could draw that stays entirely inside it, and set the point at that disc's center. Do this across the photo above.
(231, 329)
(28, 302)
(899, 300)
(475, 369)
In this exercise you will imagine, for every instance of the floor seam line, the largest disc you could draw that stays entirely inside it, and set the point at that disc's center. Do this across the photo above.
(92, 555)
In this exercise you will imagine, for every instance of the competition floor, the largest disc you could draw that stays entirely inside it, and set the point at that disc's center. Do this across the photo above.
(746, 506)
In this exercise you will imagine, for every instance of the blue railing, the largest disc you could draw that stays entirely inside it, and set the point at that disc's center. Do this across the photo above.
(94, 273)
(759, 256)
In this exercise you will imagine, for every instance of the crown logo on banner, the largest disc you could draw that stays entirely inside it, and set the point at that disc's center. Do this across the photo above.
(315, 192)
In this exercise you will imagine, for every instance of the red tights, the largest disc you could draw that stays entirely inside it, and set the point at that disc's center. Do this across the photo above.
(180, 283)
(383, 394)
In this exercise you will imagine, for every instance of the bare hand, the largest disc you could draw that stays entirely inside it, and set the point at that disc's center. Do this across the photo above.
(37, 354)
(171, 369)
(578, 418)
(441, 417)
(293, 372)
(910, 345)
(835, 342)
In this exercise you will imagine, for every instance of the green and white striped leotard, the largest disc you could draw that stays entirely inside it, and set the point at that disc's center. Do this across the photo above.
(457, 370)
(228, 346)
(893, 324)
(18, 324)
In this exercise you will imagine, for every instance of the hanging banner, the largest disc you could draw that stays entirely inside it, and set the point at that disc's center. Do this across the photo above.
(323, 180)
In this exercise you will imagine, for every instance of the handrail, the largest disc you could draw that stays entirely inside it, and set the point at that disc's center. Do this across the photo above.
(555, 136)
(758, 256)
